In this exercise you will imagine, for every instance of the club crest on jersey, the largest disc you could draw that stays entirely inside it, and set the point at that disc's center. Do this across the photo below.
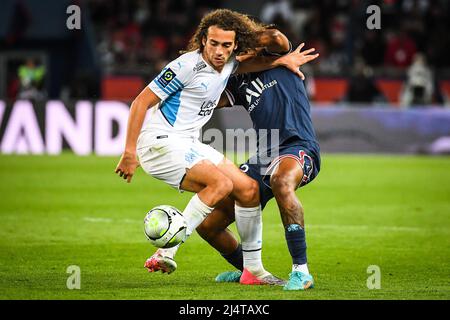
(307, 165)
(191, 155)
(166, 77)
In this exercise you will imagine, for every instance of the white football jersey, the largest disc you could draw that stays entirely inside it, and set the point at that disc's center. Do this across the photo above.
(189, 89)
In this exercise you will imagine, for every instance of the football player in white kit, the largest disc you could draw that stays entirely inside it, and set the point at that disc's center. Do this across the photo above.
(186, 92)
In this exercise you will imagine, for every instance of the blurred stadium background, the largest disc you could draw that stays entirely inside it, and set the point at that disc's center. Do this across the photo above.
(67, 92)
(385, 90)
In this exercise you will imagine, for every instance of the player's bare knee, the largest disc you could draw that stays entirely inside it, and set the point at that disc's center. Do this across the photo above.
(223, 187)
(249, 196)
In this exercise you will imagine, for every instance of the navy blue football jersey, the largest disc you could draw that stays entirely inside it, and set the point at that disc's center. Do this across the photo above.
(276, 99)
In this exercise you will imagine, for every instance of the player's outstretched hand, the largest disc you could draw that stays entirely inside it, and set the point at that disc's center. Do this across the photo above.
(297, 58)
(127, 166)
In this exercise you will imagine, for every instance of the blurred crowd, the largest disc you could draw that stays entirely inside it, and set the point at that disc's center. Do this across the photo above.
(141, 31)
(339, 31)
(141, 36)
(410, 44)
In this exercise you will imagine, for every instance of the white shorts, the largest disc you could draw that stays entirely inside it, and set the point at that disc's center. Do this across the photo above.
(167, 156)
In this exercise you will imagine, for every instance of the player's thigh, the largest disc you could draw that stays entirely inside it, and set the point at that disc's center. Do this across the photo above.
(204, 173)
(244, 187)
(287, 175)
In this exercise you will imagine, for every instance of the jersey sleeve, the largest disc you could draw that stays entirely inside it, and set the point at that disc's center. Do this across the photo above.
(173, 78)
(235, 96)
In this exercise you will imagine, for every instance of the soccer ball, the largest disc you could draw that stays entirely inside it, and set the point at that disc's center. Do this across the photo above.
(165, 226)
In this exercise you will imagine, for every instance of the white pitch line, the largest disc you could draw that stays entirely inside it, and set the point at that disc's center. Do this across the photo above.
(131, 221)
(92, 219)
(109, 220)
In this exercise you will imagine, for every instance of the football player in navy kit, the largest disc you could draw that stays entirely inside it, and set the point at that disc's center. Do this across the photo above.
(276, 101)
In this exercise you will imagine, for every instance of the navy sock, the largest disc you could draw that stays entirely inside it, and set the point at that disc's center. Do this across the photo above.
(295, 238)
(235, 258)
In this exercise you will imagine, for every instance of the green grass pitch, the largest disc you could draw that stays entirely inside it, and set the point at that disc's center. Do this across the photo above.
(58, 211)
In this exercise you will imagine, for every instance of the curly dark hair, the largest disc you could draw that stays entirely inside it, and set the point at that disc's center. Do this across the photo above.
(246, 29)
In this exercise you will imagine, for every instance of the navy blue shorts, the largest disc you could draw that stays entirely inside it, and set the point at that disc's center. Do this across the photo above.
(261, 172)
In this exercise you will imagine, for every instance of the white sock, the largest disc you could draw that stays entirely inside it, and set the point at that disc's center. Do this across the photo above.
(169, 252)
(249, 225)
(194, 213)
(300, 267)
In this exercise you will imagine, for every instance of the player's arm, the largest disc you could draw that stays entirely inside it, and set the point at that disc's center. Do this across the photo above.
(271, 42)
(128, 162)
(274, 41)
(292, 61)
(224, 101)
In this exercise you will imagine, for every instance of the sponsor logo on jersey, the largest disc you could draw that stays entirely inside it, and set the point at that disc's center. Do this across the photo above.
(205, 85)
(207, 108)
(199, 66)
(254, 91)
(166, 77)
